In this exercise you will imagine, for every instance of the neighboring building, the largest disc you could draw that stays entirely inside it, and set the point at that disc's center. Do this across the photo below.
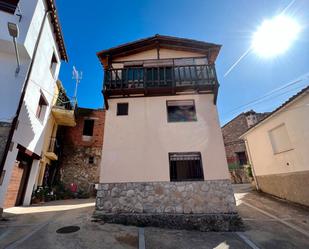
(278, 149)
(163, 155)
(235, 148)
(62, 115)
(27, 94)
(82, 149)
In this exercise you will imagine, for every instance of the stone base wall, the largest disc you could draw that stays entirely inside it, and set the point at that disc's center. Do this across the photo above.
(75, 167)
(292, 186)
(197, 197)
(183, 205)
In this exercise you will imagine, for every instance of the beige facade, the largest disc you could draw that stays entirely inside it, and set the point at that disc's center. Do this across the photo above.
(278, 147)
(163, 156)
(136, 146)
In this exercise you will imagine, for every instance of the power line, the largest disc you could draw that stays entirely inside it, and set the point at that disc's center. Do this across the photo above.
(268, 94)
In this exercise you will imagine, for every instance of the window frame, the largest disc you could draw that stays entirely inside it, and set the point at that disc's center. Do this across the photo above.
(86, 135)
(53, 64)
(41, 103)
(127, 111)
(201, 178)
(181, 121)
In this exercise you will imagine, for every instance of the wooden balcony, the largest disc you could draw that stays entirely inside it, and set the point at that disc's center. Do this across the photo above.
(162, 80)
(64, 113)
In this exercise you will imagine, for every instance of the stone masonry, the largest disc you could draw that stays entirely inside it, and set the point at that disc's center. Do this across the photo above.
(233, 145)
(234, 129)
(4, 133)
(169, 204)
(80, 160)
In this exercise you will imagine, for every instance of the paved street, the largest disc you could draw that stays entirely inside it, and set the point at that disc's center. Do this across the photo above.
(269, 223)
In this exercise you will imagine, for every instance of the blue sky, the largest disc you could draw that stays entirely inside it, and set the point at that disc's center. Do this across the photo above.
(93, 25)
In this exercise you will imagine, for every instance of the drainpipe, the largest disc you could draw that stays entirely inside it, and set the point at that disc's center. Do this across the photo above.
(22, 97)
(251, 163)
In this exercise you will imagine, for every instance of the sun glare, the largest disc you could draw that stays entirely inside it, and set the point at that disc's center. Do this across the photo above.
(275, 36)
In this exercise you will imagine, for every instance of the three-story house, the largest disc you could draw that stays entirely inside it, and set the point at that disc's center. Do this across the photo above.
(163, 159)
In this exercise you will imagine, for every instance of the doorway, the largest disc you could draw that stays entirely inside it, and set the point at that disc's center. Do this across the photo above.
(25, 163)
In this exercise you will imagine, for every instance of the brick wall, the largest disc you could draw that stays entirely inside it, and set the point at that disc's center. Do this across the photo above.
(12, 191)
(74, 161)
(233, 130)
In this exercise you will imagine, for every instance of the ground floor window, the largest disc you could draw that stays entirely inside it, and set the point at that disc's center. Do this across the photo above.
(186, 166)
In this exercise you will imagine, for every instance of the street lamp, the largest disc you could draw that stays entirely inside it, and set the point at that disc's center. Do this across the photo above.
(13, 31)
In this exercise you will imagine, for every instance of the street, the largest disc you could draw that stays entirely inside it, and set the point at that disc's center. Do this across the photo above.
(269, 223)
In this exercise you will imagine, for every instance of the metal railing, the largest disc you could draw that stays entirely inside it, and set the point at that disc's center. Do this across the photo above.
(160, 77)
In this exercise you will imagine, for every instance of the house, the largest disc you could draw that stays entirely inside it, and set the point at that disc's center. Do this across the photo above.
(82, 149)
(31, 51)
(278, 150)
(62, 115)
(163, 160)
(235, 147)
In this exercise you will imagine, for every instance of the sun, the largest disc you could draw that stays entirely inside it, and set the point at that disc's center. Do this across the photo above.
(275, 36)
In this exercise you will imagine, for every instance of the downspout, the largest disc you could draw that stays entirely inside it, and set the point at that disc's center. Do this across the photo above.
(22, 97)
(251, 163)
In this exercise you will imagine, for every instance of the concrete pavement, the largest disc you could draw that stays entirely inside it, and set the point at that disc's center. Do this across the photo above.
(269, 223)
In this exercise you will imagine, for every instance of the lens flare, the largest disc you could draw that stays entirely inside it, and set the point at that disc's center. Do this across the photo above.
(275, 36)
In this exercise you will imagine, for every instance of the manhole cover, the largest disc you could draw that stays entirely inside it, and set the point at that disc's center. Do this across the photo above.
(68, 229)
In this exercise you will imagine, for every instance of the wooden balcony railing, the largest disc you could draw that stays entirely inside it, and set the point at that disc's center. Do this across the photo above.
(158, 80)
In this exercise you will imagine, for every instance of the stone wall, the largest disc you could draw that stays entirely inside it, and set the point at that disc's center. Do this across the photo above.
(199, 205)
(76, 161)
(198, 197)
(4, 133)
(233, 130)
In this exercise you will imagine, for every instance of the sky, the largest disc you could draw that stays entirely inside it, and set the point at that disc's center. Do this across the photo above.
(93, 25)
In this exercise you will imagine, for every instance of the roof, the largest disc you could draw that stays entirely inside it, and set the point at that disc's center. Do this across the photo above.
(289, 101)
(57, 29)
(162, 41)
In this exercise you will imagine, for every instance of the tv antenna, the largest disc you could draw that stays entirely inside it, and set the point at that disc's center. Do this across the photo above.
(77, 76)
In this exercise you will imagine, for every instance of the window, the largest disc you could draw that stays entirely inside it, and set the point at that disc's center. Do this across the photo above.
(91, 160)
(122, 109)
(53, 64)
(181, 111)
(280, 140)
(8, 5)
(42, 106)
(186, 166)
(242, 158)
(88, 127)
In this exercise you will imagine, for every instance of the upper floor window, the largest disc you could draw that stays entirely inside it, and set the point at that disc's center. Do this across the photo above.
(42, 107)
(122, 109)
(186, 166)
(8, 5)
(53, 64)
(88, 127)
(280, 139)
(181, 111)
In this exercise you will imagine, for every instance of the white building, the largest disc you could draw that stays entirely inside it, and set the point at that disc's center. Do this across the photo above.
(41, 48)
(278, 149)
(163, 156)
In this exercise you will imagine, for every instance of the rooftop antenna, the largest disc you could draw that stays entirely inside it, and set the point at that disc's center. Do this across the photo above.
(77, 76)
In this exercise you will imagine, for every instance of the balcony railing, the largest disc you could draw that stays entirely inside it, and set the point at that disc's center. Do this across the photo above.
(155, 79)
(64, 110)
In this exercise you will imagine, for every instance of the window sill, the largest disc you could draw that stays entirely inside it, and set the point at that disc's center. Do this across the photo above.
(86, 138)
(277, 153)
